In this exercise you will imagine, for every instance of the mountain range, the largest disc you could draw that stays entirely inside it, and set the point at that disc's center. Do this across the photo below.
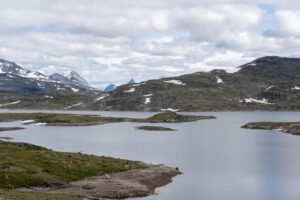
(267, 83)
(14, 78)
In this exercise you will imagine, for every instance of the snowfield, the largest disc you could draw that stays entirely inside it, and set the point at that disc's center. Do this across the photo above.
(176, 82)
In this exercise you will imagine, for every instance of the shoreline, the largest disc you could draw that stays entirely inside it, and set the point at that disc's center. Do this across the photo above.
(132, 183)
(141, 111)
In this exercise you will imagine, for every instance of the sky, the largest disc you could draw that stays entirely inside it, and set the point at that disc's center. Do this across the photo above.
(113, 41)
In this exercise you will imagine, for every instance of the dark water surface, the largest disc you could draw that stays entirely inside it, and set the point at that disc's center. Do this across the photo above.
(219, 160)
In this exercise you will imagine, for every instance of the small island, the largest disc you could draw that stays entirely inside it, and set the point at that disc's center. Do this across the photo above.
(33, 172)
(286, 127)
(154, 128)
(10, 128)
(55, 119)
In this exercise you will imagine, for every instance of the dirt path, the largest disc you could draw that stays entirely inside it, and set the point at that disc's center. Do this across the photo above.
(133, 183)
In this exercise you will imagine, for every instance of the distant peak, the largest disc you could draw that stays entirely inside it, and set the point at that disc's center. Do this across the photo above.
(110, 87)
(131, 81)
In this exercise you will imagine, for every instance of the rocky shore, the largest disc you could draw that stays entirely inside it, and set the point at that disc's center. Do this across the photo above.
(132, 183)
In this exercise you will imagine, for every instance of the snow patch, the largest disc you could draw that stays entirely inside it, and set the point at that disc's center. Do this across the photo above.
(27, 121)
(296, 88)
(219, 80)
(50, 97)
(72, 106)
(252, 100)
(39, 124)
(177, 82)
(102, 97)
(147, 95)
(130, 90)
(252, 64)
(75, 90)
(12, 103)
(269, 87)
(169, 109)
(148, 100)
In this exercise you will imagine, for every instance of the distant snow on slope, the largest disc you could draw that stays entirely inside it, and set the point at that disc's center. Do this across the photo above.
(101, 97)
(219, 80)
(268, 88)
(252, 100)
(72, 106)
(130, 90)
(252, 64)
(177, 82)
(12, 103)
(148, 100)
(75, 90)
(147, 95)
(296, 88)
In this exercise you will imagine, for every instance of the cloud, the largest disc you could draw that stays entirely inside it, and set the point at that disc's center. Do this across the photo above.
(114, 41)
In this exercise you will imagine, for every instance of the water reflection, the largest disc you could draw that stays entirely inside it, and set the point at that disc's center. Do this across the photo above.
(220, 160)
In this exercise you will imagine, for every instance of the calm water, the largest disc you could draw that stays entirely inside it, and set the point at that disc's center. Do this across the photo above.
(220, 161)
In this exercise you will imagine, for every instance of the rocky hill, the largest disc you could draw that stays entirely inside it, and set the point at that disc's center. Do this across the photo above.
(268, 83)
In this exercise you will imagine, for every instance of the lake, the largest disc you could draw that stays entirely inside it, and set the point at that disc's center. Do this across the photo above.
(219, 160)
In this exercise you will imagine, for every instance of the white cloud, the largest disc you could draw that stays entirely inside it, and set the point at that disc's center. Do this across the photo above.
(113, 41)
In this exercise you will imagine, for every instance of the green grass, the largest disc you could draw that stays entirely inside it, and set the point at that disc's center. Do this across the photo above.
(24, 165)
(17, 195)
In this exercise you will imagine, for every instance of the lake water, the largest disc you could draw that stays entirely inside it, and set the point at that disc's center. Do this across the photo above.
(219, 160)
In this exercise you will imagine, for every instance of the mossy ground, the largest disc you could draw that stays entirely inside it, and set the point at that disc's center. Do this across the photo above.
(17, 195)
(24, 165)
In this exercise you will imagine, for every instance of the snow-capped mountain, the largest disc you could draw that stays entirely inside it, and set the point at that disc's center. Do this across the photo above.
(70, 78)
(14, 78)
(12, 68)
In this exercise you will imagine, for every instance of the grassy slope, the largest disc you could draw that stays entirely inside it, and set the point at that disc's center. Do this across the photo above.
(59, 100)
(23, 165)
(16, 195)
(201, 92)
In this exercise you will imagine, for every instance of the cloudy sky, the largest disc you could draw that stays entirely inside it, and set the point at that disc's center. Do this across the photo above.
(113, 41)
